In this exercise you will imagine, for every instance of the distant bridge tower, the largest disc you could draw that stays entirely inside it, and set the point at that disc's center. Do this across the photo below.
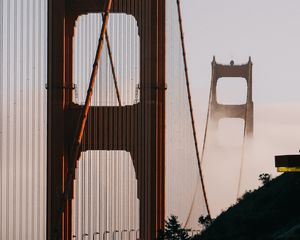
(218, 111)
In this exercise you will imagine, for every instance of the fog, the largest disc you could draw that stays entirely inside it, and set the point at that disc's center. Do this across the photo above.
(268, 31)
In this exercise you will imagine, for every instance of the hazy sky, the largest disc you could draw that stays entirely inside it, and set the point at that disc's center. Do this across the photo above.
(269, 32)
(266, 30)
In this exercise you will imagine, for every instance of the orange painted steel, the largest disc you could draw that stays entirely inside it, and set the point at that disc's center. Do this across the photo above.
(145, 120)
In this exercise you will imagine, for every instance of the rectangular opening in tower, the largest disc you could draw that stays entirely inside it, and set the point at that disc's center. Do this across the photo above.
(232, 90)
(105, 195)
(124, 42)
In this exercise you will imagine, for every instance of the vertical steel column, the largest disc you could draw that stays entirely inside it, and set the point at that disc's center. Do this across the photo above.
(55, 111)
(70, 20)
(60, 81)
(153, 182)
(161, 120)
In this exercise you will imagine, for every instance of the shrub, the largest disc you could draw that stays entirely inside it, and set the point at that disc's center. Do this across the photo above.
(265, 178)
(173, 230)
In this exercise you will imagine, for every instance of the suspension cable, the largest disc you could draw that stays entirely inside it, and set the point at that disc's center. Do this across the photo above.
(202, 153)
(207, 118)
(191, 107)
(242, 155)
(244, 139)
(112, 67)
(82, 122)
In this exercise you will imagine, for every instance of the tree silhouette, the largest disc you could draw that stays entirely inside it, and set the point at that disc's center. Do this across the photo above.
(265, 178)
(173, 230)
(205, 221)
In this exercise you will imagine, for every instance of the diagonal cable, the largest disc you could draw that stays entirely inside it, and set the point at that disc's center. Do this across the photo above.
(112, 67)
(82, 122)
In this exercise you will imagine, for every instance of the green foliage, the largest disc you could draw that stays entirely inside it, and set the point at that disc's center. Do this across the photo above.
(265, 178)
(173, 230)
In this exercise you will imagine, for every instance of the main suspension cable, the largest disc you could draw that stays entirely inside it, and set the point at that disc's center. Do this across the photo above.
(207, 117)
(191, 107)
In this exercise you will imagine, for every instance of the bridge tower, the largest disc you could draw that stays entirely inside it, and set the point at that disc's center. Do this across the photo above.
(146, 119)
(219, 111)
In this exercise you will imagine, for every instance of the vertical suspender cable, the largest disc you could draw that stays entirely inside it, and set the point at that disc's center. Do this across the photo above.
(121, 162)
(44, 13)
(28, 25)
(82, 195)
(15, 88)
(128, 135)
(33, 120)
(31, 123)
(84, 136)
(113, 68)
(110, 154)
(100, 166)
(139, 117)
(94, 161)
(39, 118)
(107, 162)
(125, 79)
(1, 114)
(8, 123)
(88, 153)
(78, 175)
(21, 129)
(133, 97)
(117, 153)
(101, 169)
(190, 103)
(106, 192)
(133, 79)
(99, 160)
(96, 164)
(129, 210)
(81, 163)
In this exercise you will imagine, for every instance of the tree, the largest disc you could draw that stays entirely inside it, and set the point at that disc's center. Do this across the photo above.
(173, 230)
(265, 178)
(205, 221)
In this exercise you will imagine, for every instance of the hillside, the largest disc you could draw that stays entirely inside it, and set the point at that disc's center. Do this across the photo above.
(271, 212)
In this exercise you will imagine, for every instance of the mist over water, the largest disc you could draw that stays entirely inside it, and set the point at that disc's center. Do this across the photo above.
(275, 132)
(268, 31)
